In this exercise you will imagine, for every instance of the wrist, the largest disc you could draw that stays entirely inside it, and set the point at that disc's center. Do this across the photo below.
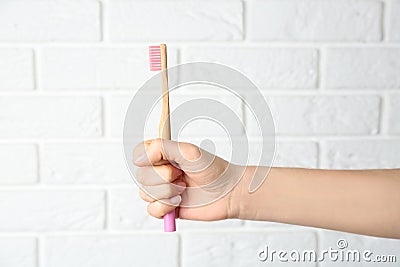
(238, 198)
(256, 205)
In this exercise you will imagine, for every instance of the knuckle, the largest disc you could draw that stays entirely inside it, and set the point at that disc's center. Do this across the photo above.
(156, 142)
(190, 151)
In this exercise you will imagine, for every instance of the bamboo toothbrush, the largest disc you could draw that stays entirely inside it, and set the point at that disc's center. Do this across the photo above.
(158, 62)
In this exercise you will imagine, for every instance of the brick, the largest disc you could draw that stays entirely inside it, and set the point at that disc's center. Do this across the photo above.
(19, 164)
(46, 210)
(296, 154)
(50, 116)
(188, 20)
(16, 69)
(315, 20)
(117, 112)
(394, 111)
(361, 154)
(266, 67)
(107, 250)
(127, 211)
(357, 67)
(241, 249)
(97, 68)
(394, 21)
(228, 113)
(82, 163)
(378, 246)
(322, 115)
(50, 21)
(18, 251)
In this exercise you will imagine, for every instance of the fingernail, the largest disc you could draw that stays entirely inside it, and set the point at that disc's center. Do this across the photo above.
(141, 159)
(175, 200)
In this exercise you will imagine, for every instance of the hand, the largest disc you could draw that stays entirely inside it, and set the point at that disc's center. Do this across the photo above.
(206, 187)
(175, 174)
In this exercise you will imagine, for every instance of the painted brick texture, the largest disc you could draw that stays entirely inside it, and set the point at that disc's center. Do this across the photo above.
(329, 71)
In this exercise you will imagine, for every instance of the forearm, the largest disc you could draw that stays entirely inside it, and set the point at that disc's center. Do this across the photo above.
(364, 202)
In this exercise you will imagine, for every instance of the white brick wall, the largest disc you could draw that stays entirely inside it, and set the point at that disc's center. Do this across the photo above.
(16, 69)
(183, 21)
(51, 210)
(394, 21)
(96, 68)
(372, 67)
(394, 113)
(330, 71)
(105, 251)
(322, 115)
(378, 246)
(266, 67)
(315, 20)
(95, 163)
(19, 164)
(362, 154)
(240, 249)
(18, 251)
(125, 217)
(50, 21)
(50, 116)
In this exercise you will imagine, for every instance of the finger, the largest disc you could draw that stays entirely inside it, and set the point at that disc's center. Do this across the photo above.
(163, 191)
(143, 195)
(141, 149)
(154, 175)
(159, 208)
(160, 150)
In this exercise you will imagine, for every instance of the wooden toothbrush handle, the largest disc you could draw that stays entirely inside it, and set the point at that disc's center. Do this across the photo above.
(164, 129)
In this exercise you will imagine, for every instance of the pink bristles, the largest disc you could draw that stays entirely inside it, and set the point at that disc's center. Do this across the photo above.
(155, 58)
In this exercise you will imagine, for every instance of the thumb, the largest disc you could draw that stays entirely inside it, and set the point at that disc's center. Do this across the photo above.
(185, 156)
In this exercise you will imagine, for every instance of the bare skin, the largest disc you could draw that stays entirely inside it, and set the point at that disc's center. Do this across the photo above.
(364, 201)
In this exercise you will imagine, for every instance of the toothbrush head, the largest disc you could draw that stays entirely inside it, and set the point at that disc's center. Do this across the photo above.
(155, 58)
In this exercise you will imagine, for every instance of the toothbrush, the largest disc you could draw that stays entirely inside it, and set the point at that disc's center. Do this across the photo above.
(158, 62)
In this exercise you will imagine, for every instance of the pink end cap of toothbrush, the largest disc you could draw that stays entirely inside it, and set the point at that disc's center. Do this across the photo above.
(169, 222)
(155, 58)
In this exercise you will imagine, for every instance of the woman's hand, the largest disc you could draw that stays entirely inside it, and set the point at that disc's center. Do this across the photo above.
(174, 174)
